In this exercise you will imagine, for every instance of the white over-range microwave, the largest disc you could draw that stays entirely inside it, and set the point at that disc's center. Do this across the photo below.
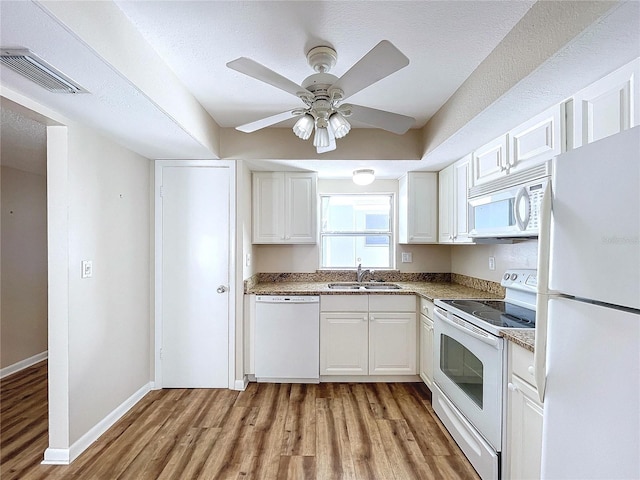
(508, 207)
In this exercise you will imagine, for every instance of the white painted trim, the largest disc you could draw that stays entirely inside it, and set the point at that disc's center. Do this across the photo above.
(56, 456)
(64, 456)
(22, 364)
(231, 165)
(369, 378)
(241, 384)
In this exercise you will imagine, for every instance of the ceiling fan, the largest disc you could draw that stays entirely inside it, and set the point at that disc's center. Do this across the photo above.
(323, 94)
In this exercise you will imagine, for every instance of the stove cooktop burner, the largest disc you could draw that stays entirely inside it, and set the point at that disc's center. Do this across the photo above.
(496, 312)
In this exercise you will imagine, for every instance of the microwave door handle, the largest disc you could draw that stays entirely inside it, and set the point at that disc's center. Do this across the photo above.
(522, 196)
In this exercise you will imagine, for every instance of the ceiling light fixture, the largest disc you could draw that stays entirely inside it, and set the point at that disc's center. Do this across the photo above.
(364, 176)
(304, 126)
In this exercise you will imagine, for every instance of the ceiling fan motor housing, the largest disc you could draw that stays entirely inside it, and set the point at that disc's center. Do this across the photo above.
(322, 59)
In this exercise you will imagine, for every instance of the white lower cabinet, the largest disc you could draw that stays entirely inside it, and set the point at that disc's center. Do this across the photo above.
(368, 335)
(426, 342)
(524, 417)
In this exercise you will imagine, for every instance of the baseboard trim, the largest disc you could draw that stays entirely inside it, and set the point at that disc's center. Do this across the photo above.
(22, 364)
(64, 456)
(241, 384)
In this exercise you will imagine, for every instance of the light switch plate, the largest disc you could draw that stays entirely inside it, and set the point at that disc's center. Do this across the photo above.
(407, 257)
(87, 269)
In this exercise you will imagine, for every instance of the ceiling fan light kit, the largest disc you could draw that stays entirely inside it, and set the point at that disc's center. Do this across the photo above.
(363, 176)
(322, 94)
(304, 126)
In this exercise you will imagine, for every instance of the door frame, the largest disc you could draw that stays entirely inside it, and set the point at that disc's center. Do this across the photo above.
(231, 320)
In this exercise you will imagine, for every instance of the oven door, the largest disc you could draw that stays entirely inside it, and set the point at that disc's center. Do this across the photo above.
(469, 368)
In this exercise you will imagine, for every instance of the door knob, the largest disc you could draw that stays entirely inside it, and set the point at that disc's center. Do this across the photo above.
(222, 289)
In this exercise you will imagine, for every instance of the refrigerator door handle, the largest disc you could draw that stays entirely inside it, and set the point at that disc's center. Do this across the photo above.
(542, 299)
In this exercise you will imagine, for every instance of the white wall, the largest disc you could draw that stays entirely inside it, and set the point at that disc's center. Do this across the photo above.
(109, 314)
(473, 260)
(23, 319)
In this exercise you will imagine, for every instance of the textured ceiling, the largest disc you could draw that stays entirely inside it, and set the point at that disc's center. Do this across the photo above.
(444, 41)
(23, 139)
(149, 65)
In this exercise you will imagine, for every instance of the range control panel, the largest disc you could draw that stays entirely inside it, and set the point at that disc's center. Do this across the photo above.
(521, 279)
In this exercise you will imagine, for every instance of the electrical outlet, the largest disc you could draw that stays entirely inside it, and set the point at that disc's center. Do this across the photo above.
(492, 263)
(87, 269)
(407, 257)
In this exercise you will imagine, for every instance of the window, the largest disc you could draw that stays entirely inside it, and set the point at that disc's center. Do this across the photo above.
(356, 229)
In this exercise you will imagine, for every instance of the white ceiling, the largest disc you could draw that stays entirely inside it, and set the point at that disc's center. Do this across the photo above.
(189, 43)
(445, 42)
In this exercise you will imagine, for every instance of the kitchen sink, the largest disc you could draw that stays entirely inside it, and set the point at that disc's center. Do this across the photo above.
(382, 286)
(364, 286)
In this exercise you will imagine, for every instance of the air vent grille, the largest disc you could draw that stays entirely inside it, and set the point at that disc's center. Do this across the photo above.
(30, 66)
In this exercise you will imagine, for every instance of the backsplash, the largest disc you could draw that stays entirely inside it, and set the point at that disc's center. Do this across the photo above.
(386, 275)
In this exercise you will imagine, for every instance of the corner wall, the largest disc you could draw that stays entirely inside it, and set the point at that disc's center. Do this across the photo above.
(23, 318)
(109, 313)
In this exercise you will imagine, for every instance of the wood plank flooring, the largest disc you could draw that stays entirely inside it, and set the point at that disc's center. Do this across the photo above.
(270, 431)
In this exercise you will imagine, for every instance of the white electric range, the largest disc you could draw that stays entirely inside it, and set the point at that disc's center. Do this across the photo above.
(470, 366)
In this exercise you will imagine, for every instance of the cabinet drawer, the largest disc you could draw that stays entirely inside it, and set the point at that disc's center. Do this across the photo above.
(522, 363)
(344, 303)
(392, 303)
(426, 308)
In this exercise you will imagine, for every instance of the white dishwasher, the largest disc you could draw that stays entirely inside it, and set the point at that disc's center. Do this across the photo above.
(287, 339)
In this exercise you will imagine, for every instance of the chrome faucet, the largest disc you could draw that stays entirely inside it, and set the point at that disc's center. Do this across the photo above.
(361, 273)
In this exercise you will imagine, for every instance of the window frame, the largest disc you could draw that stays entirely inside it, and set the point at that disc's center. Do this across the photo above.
(391, 233)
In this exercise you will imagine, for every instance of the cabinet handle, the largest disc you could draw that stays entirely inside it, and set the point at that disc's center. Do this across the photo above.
(512, 387)
(372, 318)
(531, 370)
(364, 319)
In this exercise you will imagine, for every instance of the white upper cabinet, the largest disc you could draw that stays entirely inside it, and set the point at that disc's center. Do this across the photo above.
(606, 107)
(418, 208)
(284, 207)
(490, 161)
(525, 146)
(536, 140)
(453, 189)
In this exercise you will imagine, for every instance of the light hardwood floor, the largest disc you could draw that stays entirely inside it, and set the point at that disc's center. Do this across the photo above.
(270, 431)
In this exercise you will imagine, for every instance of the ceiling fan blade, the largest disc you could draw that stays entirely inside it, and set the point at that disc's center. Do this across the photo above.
(266, 122)
(260, 72)
(381, 61)
(332, 143)
(392, 122)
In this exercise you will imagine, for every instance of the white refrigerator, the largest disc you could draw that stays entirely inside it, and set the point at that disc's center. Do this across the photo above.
(587, 351)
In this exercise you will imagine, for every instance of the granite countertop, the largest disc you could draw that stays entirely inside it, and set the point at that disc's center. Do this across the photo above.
(428, 290)
(525, 337)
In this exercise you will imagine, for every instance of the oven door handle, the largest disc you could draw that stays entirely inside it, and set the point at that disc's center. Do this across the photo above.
(488, 339)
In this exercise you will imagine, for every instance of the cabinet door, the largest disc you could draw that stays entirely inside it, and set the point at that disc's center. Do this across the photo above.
(392, 343)
(268, 207)
(301, 208)
(445, 204)
(344, 343)
(608, 106)
(536, 140)
(524, 430)
(418, 208)
(426, 351)
(461, 176)
(490, 161)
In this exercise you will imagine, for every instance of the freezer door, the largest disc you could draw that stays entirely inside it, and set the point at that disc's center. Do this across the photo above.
(591, 415)
(595, 232)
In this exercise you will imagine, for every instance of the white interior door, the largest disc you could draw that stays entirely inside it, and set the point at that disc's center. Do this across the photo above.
(195, 264)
